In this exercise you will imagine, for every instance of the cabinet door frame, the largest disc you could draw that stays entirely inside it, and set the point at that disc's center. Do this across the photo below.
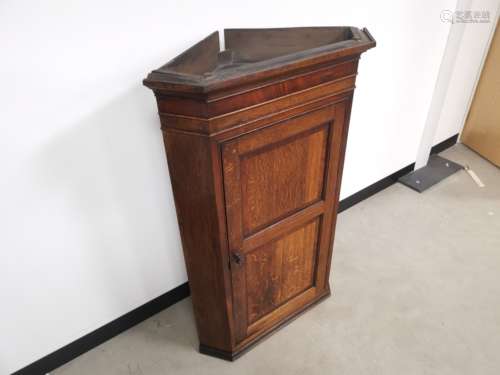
(335, 118)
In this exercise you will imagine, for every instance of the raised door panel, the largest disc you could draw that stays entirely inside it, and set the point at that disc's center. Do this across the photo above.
(280, 270)
(282, 178)
(280, 183)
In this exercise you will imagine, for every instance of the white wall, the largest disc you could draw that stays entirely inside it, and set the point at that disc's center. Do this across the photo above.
(88, 224)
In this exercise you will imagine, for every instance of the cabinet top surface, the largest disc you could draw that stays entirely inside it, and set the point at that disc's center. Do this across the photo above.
(251, 54)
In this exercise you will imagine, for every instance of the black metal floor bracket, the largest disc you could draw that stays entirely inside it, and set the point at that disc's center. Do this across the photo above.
(436, 170)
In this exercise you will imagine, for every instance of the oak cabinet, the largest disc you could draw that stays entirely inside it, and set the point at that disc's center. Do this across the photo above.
(255, 138)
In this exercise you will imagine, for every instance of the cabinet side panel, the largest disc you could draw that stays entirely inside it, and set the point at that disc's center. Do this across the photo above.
(344, 115)
(190, 164)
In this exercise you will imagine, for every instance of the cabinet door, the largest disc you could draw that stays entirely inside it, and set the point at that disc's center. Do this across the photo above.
(281, 187)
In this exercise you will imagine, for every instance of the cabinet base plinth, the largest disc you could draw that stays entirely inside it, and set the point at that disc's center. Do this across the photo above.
(233, 355)
(217, 353)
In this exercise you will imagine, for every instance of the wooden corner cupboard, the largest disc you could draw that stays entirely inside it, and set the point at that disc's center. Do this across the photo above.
(255, 136)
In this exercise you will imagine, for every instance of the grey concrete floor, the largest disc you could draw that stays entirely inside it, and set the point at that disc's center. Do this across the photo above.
(416, 290)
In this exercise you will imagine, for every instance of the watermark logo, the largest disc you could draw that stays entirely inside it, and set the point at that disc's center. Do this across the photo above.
(465, 16)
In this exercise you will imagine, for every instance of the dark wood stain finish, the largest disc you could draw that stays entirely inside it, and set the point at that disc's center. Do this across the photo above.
(255, 139)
